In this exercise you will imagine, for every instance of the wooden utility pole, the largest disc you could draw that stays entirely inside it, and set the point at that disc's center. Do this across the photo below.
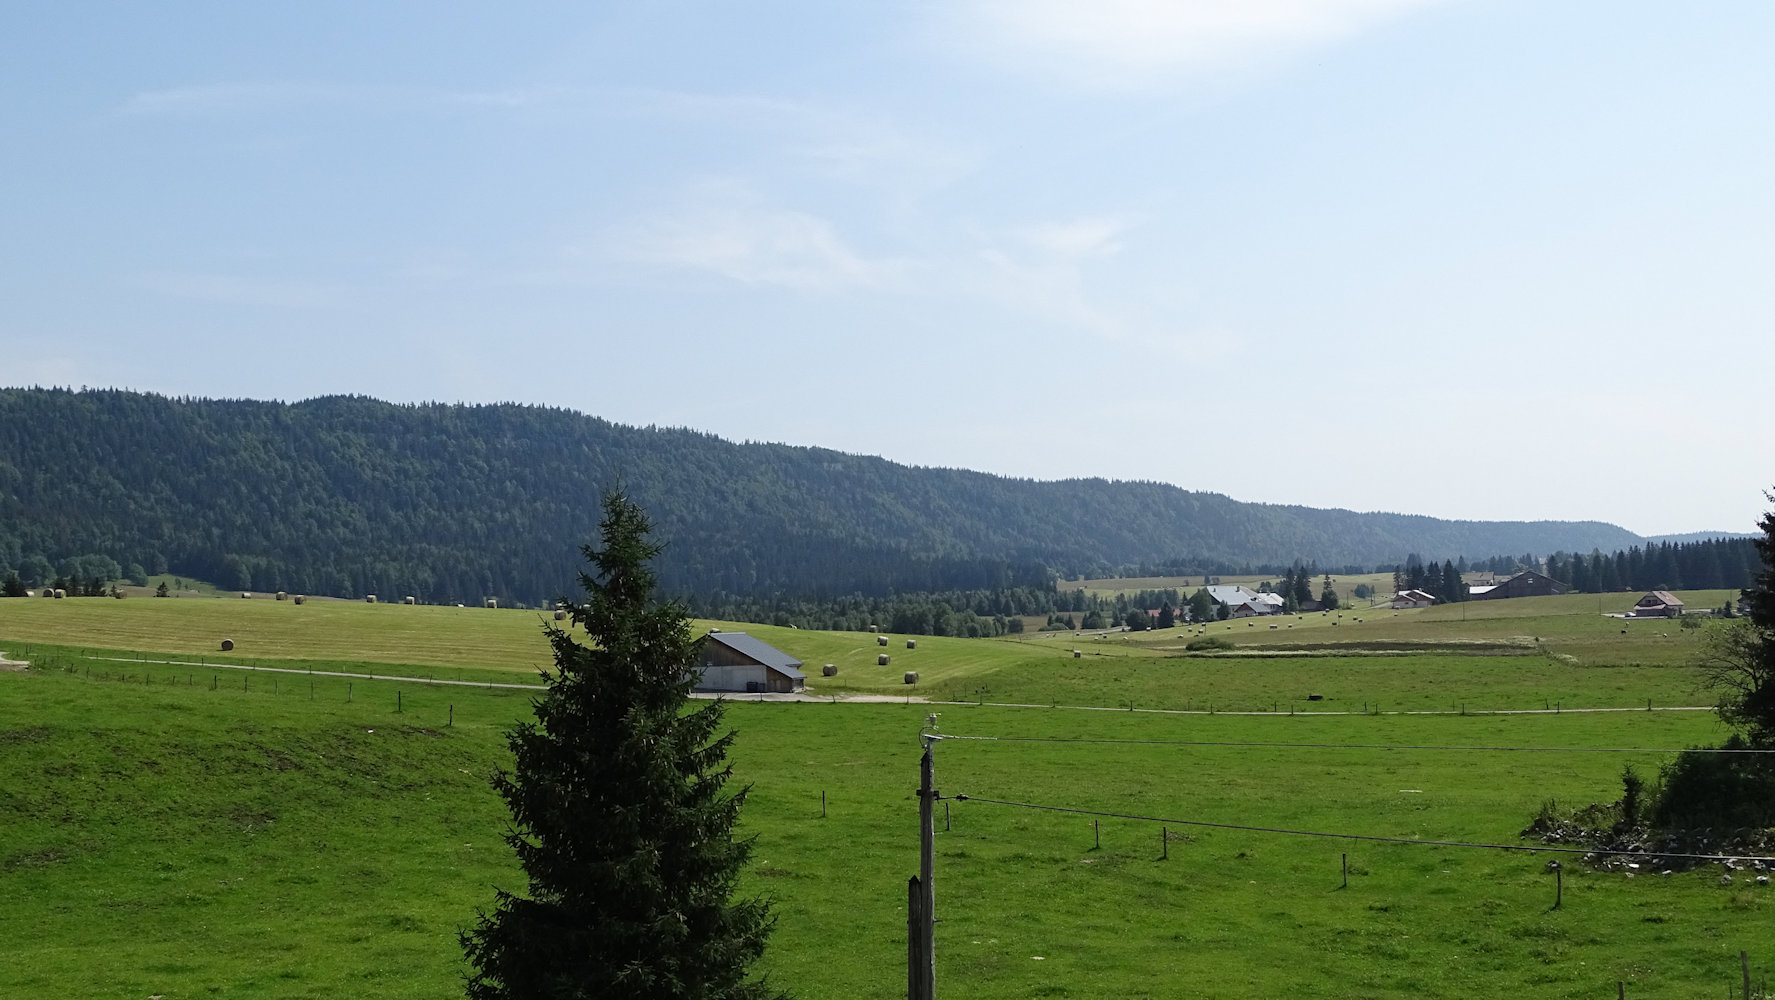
(921, 981)
(915, 961)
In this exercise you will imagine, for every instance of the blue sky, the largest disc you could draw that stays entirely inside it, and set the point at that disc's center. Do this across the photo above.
(1466, 258)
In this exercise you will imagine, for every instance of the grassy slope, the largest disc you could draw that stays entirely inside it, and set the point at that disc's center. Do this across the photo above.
(169, 839)
(165, 838)
(1588, 661)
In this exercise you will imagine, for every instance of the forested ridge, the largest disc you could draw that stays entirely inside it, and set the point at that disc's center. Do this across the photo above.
(350, 495)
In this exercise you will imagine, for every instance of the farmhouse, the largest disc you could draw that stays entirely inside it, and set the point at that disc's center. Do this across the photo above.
(1658, 604)
(1413, 599)
(735, 661)
(1527, 583)
(1243, 602)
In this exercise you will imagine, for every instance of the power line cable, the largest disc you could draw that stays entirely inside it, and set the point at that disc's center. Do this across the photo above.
(1363, 836)
(1339, 746)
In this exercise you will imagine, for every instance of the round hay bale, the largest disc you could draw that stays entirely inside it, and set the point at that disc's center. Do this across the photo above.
(911, 643)
(910, 678)
(875, 628)
(282, 596)
(882, 660)
(829, 670)
(369, 598)
(60, 593)
(493, 602)
(245, 596)
(881, 640)
(1077, 653)
(227, 645)
(560, 616)
(117, 594)
(301, 599)
(410, 600)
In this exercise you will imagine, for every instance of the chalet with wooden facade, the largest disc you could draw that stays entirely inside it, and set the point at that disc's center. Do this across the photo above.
(1658, 604)
(737, 662)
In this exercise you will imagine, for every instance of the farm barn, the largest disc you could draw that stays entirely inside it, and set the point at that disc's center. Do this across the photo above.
(1243, 602)
(735, 661)
(1659, 604)
(1528, 583)
(1413, 599)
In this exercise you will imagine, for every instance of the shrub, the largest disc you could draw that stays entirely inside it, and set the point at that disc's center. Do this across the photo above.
(1209, 644)
(1717, 790)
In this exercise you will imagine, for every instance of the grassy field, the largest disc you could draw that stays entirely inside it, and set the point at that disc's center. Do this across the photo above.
(268, 837)
(1577, 657)
(165, 838)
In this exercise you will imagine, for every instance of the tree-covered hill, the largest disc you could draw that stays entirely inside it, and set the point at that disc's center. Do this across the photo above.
(350, 495)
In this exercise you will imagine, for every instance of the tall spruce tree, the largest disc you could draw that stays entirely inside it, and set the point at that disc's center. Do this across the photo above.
(1745, 673)
(620, 817)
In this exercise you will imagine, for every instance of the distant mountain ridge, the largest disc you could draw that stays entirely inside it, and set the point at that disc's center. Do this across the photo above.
(350, 495)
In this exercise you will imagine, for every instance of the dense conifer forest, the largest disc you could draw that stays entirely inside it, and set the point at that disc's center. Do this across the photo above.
(348, 495)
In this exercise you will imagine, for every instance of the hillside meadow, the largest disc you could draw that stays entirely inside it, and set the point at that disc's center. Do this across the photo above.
(183, 832)
(1564, 655)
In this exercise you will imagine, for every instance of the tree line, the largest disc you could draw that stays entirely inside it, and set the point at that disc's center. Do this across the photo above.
(345, 496)
(1714, 564)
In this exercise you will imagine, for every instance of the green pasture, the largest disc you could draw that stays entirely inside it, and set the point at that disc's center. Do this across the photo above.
(1573, 625)
(351, 631)
(163, 838)
(1564, 656)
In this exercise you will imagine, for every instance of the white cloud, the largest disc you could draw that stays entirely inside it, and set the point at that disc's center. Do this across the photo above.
(1129, 43)
(1098, 236)
(725, 229)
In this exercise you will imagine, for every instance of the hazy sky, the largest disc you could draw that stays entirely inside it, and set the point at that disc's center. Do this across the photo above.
(1468, 258)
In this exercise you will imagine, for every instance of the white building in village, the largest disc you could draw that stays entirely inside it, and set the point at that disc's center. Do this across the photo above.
(1243, 602)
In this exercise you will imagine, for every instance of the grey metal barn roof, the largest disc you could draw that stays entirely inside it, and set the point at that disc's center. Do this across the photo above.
(761, 651)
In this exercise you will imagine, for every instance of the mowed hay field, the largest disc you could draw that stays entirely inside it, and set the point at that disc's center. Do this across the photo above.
(165, 838)
(1562, 656)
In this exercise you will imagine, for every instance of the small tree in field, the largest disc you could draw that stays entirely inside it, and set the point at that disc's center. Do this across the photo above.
(620, 816)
